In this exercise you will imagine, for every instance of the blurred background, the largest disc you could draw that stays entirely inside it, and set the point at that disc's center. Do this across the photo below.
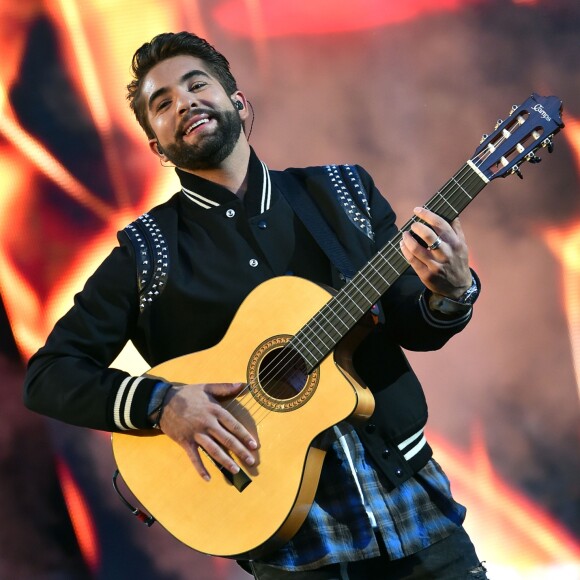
(403, 88)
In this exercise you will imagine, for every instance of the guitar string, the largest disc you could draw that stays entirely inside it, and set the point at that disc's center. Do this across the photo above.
(286, 361)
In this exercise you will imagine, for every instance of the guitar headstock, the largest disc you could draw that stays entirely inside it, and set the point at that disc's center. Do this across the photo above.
(514, 141)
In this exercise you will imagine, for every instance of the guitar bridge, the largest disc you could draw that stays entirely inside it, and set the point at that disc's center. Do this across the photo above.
(240, 480)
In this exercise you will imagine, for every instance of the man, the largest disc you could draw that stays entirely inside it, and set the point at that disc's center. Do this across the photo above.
(383, 508)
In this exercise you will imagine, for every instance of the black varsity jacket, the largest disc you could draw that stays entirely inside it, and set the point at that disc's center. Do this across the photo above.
(180, 272)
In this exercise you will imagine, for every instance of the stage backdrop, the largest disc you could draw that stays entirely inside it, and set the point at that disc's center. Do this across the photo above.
(403, 88)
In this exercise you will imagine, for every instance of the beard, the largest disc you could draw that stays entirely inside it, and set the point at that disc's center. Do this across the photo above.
(211, 149)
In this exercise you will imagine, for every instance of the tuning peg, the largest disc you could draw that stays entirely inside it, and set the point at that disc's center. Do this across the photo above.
(549, 143)
(484, 137)
(516, 171)
(513, 109)
(499, 122)
(533, 158)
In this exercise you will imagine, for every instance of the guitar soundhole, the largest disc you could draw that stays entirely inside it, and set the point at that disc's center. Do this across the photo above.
(277, 376)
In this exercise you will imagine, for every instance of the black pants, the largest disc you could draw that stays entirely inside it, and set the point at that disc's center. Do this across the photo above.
(452, 558)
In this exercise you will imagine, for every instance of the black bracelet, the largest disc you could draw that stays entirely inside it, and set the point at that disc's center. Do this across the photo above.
(157, 414)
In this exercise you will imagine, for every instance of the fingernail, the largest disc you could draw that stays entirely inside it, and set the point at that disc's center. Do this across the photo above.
(252, 444)
(250, 460)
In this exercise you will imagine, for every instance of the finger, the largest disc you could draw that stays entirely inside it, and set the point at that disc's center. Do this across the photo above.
(426, 233)
(234, 437)
(217, 453)
(422, 248)
(436, 222)
(224, 390)
(458, 229)
(226, 419)
(195, 458)
(413, 252)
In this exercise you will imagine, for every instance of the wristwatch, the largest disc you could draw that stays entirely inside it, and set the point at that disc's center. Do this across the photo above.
(457, 306)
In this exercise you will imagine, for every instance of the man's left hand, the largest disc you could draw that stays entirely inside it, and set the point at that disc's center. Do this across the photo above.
(443, 265)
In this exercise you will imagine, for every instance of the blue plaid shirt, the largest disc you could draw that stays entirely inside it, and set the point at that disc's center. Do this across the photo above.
(345, 515)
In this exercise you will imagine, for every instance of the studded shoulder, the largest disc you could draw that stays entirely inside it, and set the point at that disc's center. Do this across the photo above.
(152, 258)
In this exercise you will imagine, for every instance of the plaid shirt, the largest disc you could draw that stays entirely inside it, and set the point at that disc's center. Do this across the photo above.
(340, 526)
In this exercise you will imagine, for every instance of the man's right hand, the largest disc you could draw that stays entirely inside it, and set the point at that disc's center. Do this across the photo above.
(193, 417)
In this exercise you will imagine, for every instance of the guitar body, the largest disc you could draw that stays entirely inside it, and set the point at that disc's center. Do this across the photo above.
(267, 505)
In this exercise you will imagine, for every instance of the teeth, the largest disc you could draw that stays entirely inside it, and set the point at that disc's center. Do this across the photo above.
(196, 124)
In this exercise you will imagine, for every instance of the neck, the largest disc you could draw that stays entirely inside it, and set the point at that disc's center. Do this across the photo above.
(232, 173)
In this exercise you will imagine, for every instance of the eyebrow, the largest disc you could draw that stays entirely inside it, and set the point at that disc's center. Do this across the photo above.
(162, 90)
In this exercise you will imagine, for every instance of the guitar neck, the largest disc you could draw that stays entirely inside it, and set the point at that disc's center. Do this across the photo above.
(321, 334)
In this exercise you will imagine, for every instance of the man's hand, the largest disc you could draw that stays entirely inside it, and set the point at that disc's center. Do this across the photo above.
(445, 268)
(193, 418)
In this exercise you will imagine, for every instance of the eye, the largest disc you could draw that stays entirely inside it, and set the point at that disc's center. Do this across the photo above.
(197, 85)
(163, 104)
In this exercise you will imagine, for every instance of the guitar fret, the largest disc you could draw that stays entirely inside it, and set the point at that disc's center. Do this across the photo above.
(448, 203)
(325, 329)
(311, 359)
(462, 189)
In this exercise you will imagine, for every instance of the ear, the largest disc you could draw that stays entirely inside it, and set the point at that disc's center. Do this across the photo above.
(156, 149)
(240, 97)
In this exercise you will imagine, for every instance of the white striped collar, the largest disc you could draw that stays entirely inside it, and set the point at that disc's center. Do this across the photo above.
(208, 195)
(204, 202)
(266, 189)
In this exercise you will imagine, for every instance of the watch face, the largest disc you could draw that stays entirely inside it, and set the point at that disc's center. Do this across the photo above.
(470, 294)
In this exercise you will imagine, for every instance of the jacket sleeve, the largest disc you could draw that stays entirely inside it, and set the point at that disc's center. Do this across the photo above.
(408, 320)
(69, 378)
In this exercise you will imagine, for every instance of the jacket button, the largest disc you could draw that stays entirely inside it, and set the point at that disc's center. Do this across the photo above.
(398, 472)
(370, 428)
(262, 224)
(253, 262)
(230, 213)
(385, 453)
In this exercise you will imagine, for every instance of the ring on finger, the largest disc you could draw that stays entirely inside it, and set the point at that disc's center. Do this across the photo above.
(435, 244)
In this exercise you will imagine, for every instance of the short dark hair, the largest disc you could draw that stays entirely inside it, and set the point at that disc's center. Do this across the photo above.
(168, 45)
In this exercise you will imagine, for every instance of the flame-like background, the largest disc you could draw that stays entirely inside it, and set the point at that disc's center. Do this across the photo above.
(402, 88)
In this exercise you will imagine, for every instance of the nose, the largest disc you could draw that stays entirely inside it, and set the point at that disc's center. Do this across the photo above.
(185, 100)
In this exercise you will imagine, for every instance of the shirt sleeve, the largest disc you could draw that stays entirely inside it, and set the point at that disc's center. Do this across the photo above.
(408, 320)
(69, 378)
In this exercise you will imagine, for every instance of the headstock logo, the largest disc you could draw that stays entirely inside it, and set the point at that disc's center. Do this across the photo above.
(539, 109)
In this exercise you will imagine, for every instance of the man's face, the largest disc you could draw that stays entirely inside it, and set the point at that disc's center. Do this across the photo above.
(194, 119)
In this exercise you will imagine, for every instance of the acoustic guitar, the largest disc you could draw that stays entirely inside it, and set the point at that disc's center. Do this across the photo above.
(291, 342)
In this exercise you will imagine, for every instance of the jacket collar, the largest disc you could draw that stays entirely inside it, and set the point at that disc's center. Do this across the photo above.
(205, 194)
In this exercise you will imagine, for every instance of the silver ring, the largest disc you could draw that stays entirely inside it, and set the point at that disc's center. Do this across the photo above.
(435, 244)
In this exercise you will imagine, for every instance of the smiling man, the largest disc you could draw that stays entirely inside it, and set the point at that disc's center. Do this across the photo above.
(208, 130)
(383, 507)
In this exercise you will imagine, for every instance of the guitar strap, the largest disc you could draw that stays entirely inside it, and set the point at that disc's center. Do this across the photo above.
(315, 222)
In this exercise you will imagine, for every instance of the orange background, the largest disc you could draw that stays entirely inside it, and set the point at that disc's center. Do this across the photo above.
(405, 89)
